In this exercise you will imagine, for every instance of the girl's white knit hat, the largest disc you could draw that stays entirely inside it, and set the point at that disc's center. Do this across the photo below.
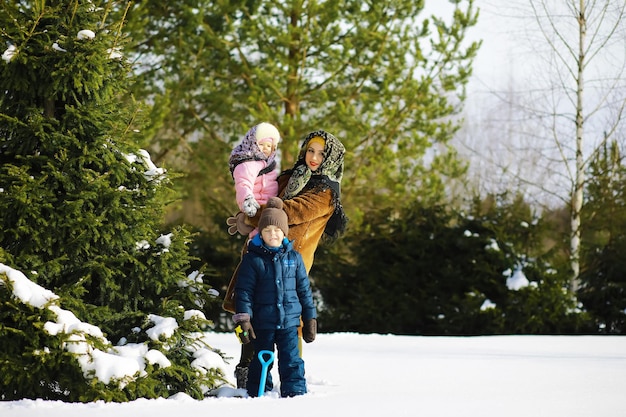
(266, 130)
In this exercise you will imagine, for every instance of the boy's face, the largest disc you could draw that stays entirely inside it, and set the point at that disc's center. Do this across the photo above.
(272, 236)
(266, 147)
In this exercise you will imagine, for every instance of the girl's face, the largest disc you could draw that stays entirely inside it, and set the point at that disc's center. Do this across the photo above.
(314, 156)
(272, 236)
(266, 147)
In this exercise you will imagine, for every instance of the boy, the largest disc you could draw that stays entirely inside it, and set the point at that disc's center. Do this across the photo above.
(271, 294)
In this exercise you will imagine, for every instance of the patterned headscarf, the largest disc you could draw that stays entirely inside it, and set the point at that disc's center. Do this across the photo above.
(328, 175)
(248, 150)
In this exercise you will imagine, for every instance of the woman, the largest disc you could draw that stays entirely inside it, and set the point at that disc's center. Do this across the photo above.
(311, 193)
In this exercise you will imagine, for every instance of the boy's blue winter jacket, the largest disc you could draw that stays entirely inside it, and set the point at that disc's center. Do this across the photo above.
(273, 287)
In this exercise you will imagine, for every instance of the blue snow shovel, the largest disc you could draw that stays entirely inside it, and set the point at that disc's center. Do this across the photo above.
(265, 363)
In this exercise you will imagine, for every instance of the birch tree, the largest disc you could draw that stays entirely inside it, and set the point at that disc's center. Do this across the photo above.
(567, 97)
(587, 57)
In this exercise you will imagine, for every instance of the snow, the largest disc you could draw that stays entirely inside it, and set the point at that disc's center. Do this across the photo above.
(85, 34)
(56, 47)
(25, 290)
(153, 172)
(9, 53)
(164, 326)
(365, 375)
(517, 281)
(380, 375)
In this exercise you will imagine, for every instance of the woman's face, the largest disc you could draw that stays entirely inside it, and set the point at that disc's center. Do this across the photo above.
(314, 156)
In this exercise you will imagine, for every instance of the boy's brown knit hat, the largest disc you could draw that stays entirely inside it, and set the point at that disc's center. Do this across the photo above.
(273, 214)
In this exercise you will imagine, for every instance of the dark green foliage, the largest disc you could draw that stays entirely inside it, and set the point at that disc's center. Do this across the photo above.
(430, 270)
(603, 290)
(543, 307)
(407, 277)
(603, 276)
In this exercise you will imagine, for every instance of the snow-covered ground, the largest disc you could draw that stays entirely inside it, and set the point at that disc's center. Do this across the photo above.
(385, 375)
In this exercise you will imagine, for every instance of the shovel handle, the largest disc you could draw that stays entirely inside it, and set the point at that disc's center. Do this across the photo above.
(265, 363)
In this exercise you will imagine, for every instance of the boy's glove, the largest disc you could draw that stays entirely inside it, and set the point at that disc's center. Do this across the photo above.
(250, 206)
(237, 224)
(309, 330)
(244, 329)
(245, 332)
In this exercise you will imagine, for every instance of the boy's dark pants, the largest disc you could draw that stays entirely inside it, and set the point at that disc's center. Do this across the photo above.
(247, 353)
(290, 364)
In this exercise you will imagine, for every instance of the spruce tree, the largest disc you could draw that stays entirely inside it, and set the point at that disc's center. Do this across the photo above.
(437, 271)
(82, 204)
(603, 276)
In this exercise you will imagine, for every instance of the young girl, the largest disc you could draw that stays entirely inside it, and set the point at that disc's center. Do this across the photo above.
(272, 293)
(253, 167)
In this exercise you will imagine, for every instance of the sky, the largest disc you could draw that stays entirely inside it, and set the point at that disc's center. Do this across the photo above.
(504, 56)
(520, 108)
(365, 375)
(493, 137)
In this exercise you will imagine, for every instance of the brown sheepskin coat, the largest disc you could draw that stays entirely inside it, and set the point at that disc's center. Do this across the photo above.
(308, 213)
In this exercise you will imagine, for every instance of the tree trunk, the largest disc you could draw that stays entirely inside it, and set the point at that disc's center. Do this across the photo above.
(577, 192)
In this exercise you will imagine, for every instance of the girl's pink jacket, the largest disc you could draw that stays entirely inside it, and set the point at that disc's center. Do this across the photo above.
(248, 181)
